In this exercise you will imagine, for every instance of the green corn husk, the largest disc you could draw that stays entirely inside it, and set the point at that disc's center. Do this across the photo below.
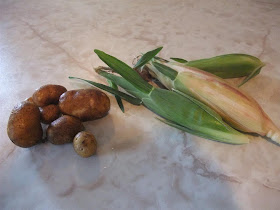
(118, 99)
(234, 106)
(177, 110)
(228, 66)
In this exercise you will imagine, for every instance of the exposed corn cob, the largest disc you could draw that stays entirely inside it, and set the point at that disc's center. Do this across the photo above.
(238, 109)
(178, 111)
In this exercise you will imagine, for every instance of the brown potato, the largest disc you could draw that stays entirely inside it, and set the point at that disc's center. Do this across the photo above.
(30, 99)
(24, 127)
(85, 144)
(85, 104)
(48, 94)
(49, 113)
(64, 129)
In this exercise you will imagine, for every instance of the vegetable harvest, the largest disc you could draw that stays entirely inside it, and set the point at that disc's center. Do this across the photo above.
(63, 112)
(176, 109)
(197, 101)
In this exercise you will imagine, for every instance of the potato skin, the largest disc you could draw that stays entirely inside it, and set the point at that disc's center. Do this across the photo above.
(30, 99)
(85, 144)
(24, 127)
(48, 94)
(64, 129)
(85, 104)
(49, 113)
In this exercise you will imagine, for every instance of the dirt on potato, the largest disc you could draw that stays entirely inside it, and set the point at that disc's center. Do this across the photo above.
(24, 127)
(64, 129)
(85, 104)
(48, 94)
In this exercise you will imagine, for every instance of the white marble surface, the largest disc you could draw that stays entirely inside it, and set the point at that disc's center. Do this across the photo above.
(140, 163)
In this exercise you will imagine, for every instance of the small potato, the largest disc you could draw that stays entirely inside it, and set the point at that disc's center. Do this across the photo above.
(64, 129)
(49, 113)
(24, 127)
(85, 144)
(48, 94)
(85, 104)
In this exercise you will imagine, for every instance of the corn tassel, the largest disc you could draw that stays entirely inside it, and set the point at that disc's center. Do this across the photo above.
(234, 106)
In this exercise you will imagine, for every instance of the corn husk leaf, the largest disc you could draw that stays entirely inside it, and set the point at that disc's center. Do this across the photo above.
(169, 72)
(125, 71)
(251, 76)
(118, 99)
(179, 60)
(121, 82)
(203, 106)
(228, 65)
(147, 57)
(193, 132)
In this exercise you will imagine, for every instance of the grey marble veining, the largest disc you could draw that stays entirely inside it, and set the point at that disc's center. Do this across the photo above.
(140, 163)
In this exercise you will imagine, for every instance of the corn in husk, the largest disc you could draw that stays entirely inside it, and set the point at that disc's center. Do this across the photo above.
(233, 105)
(175, 108)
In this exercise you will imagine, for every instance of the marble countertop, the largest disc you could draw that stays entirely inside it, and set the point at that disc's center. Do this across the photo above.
(140, 163)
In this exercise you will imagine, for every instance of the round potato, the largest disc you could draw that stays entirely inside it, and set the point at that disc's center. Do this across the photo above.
(85, 104)
(85, 144)
(64, 129)
(48, 94)
(24, 127)
(49, 113)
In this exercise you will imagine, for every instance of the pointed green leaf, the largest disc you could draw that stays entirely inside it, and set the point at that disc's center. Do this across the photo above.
(179, 60)
(228, 65)
(118, 99)
(125, 71)
(121, 82)
(251, 76)
(128, 98)
(147, 57)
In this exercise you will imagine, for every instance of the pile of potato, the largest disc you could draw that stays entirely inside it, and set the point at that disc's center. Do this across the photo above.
(63, 111)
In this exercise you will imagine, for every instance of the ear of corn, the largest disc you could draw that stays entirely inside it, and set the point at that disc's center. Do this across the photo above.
(176, 109)
(235, 107)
